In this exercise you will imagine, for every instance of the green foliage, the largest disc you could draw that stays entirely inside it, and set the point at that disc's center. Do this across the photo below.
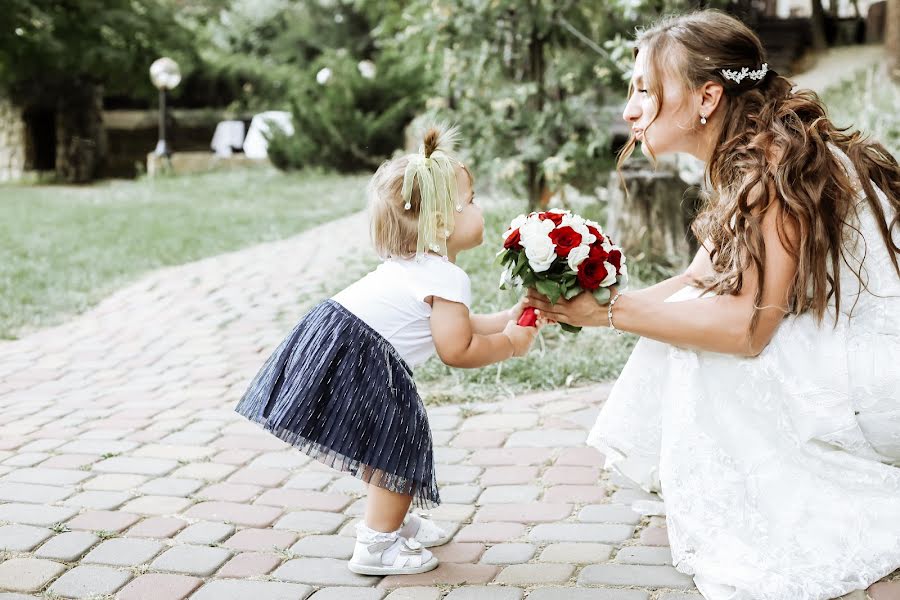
(350, 122)
(868, 102)
(112, 42)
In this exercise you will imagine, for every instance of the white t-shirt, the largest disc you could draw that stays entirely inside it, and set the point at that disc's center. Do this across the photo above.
(391, 300)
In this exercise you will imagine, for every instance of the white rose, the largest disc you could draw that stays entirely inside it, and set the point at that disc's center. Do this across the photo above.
(535, 229)
(607, 247)
(541, 252)
(578, 255)
(518, 222)
(611, 275)
(580, 227)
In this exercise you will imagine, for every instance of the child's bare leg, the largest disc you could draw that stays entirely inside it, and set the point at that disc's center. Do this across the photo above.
(385, 509)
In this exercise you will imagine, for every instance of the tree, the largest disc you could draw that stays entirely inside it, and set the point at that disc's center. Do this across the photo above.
(892, 38)
(65, 54)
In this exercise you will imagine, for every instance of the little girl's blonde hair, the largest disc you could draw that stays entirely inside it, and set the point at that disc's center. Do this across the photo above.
(402, 224)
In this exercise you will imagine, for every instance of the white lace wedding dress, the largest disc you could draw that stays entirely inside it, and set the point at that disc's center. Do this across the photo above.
(780, 473)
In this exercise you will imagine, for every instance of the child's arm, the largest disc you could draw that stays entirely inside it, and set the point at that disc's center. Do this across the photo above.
(458, 344)
(495, 322)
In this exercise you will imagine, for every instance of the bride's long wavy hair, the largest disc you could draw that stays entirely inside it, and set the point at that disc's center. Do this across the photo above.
(765, 119)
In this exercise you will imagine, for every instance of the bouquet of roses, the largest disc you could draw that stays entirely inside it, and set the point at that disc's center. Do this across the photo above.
(561, 255)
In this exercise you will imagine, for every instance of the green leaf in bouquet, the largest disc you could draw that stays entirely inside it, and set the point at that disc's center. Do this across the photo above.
(602, 295)
(571, 292)
(549, 289)
(569, 328)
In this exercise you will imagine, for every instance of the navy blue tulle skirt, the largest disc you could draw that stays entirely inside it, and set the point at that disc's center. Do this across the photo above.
(338, 391)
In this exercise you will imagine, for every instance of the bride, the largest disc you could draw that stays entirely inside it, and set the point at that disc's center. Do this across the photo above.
(763, 400)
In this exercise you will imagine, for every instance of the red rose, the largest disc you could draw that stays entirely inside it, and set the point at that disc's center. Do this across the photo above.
(528, 318)
(555, 217)
(615, 259)
(596, 233)
(566, 239)
(598, 252)
(591, 272)
(513, 241)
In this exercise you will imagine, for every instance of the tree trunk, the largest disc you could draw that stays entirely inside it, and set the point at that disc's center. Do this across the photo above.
(536, 180)
(817, 24)
(892, 38)
(652, 223)
(80, 135)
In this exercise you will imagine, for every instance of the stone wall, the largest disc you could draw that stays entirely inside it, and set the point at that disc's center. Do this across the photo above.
(12, 141)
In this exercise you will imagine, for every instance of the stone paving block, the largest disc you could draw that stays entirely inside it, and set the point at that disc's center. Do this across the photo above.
(201, 561)
(230, 492)
(231, 589)
(460, 494)
(88, 581)
(655, 536)
(204, 471)
(68, 546)
(249, 442)
(123, 552)
(575, 493)
(325, 546)
(572, 475)
(35, 514)
(449, 474)
(34, 494)
(535, 574)
(347, 593)
(311, 521)
(643, 555)
(348, 485)
(313, 480)
(458, 552)
(159, 586)
(697, 596)
(11, 596)
(103, 520)
(98, 447)
(529, 512)
(115, 482)
(28, 574)
(498, 457)
(260, 539)
(98, 500)
(885, 590)
(576, 553)
(173, 452)
(157, 527)
(609, 513)
(321, 572)
(578, 532)
(22, 538)
(484, 592)
(415, 593)
(501, 422)
(204, 533)
(628, 496)
(191, 438)
(43, 445)
(234, 457)
(479, 439)
(25, 459)
(444, 574)
(157, 505)
(508, 554)
(644, 576)
(265, 477)
(452, 512)
(505, 494)
(509, 476)
(490, 532)
(249, 564)
(547, 438)
(568, 593)
(304, 500)
(135, 466)
(239, 514)
(70, 461)
(171, 486)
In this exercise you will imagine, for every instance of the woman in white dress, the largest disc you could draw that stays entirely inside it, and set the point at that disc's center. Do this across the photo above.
(763, 400)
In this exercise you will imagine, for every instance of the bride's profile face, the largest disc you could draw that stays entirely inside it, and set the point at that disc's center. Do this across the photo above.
(665, 127)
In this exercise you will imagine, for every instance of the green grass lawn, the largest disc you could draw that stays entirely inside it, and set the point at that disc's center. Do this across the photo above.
(64, 248)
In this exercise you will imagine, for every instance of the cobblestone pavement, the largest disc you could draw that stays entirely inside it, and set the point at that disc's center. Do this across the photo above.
(124, 471)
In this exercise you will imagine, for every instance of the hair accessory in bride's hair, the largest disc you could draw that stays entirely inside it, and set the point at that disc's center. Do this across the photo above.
(739, 76)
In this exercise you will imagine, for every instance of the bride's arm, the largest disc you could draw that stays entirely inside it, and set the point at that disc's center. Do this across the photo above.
(717, 324)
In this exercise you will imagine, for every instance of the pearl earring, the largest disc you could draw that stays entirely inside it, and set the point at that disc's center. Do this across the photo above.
(703, 119)
(459, 208)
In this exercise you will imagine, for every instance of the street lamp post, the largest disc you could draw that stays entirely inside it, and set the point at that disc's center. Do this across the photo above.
(165, 75)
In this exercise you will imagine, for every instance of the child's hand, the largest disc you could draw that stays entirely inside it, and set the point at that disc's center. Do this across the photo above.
(521, 337)
(516, 311)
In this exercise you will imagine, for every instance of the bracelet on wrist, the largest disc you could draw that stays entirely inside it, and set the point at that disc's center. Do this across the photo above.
(609, 312)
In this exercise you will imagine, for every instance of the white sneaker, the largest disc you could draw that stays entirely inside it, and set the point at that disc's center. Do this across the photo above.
(424, 530)
(378, 553)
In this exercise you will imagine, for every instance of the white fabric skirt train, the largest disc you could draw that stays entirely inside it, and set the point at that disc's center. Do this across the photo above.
(779, 473)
